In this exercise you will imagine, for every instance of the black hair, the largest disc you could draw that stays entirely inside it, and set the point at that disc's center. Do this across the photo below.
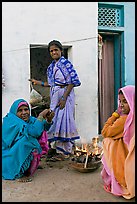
(120, 92)
(55, 42)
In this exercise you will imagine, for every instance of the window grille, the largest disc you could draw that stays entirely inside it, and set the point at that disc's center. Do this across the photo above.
(110, 17)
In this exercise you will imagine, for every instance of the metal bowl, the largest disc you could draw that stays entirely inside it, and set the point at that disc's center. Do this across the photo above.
(80, 167)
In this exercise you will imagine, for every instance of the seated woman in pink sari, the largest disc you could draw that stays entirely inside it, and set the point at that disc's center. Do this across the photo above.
(118, 159)
(24, 141)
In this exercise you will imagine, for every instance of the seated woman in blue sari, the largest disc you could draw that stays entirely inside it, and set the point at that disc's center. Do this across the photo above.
(62, 78)
(24, 140)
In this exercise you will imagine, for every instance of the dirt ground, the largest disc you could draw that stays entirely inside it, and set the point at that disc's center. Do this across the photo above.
(59, 182)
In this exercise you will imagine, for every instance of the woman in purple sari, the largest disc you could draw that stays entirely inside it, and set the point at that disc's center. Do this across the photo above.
(62, 78)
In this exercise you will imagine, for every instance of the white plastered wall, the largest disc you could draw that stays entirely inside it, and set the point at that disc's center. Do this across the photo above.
(72, 23)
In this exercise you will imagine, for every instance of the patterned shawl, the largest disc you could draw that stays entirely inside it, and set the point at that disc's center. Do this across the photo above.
(68, 72)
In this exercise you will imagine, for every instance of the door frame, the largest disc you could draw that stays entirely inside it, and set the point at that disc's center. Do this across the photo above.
(119, 71)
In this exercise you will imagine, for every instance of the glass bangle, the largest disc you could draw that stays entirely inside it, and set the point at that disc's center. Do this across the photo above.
(42, 83)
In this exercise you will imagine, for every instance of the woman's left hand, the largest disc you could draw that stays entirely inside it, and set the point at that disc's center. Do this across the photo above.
(62, 103)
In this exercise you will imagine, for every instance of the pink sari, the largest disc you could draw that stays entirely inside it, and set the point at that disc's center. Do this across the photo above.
(36, 157)
(107, 174)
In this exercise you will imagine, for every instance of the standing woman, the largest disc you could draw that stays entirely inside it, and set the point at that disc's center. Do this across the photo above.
(24, 141)
(118, 159)
(62, 78)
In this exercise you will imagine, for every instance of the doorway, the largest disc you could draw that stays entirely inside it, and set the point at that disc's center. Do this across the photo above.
(109, 75)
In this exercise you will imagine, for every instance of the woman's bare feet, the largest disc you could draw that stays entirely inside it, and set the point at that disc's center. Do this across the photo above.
(24, 179)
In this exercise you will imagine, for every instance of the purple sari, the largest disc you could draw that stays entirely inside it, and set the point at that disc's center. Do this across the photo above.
(63, 130)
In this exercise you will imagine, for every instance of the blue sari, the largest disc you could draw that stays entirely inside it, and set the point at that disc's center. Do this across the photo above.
(63, 131)
(19, 141)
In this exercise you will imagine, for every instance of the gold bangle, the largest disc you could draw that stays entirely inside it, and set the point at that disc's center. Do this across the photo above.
(116, 114)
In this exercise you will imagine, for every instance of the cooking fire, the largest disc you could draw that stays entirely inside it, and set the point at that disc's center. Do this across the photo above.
(87, 157)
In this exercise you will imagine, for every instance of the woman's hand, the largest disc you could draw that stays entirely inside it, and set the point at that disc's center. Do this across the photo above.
(34, 81)
(41, 83)
(63, 99)
(47, 114)
(62, 103)
(50, 116)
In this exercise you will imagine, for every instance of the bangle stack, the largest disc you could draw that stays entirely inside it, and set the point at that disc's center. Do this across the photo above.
(116, 114)
(42, 83)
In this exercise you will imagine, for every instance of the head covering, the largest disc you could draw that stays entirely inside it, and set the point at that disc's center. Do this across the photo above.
(17, 104)
(55, 42)
(129, 94)
(12, 124)
(23, 103)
